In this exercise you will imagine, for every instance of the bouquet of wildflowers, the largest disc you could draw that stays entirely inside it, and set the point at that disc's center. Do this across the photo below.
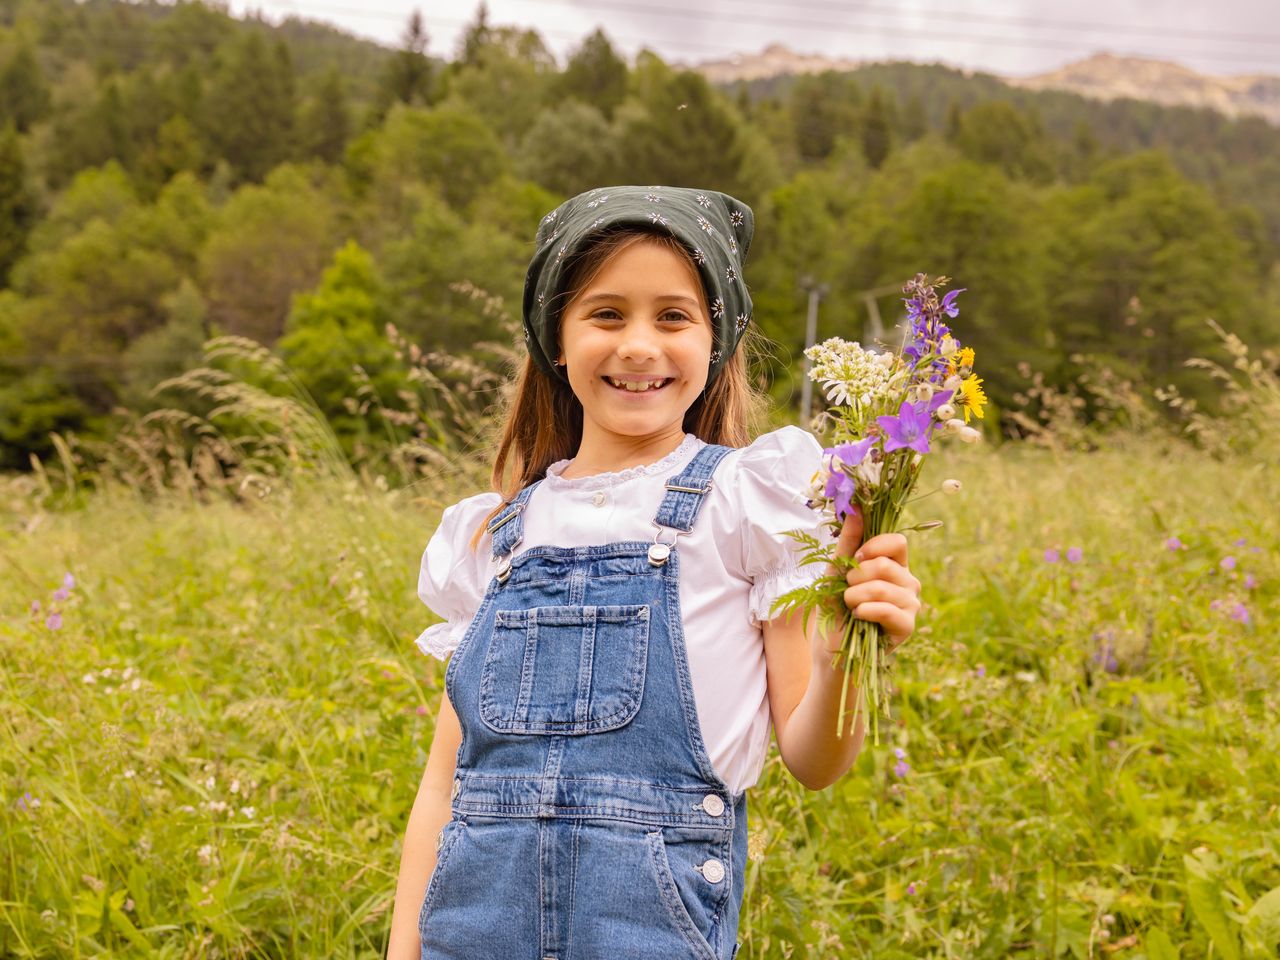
(886, 410)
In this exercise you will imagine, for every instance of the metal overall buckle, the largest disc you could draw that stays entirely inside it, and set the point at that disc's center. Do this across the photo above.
(504, 567)
(659, 551)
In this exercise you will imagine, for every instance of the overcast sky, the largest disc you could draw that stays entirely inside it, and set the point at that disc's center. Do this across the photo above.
(1015, 37)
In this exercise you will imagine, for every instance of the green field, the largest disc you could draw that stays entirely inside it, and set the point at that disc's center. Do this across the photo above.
(214, 752)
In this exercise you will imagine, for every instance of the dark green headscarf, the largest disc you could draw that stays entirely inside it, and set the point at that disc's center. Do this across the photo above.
(714, 227)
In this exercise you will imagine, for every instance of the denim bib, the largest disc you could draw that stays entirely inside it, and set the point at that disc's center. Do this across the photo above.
(587, 820)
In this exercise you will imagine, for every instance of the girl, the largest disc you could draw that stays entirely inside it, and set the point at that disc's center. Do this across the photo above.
(615, 673)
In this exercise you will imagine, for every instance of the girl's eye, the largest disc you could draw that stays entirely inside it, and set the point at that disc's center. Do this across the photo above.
(670, 314)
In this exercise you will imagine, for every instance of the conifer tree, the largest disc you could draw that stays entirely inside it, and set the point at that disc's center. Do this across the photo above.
(17, 206)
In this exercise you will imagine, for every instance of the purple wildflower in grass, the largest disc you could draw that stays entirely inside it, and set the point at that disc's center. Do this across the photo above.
(1216, 604)
(981, 671)
(1051, 555)
(1173, 543)
(909, 428)
(1240, 613)
(1075, 555)
(61, 594)
(54, 621)
(1227, 563)
(69, 581)
(422, 710)
(35, 606)
(1250, 581)
(901, 768)
(1240, 542)
(911, 888)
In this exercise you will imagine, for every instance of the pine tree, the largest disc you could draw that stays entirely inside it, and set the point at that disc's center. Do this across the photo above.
(326, 123)
(249, 107)
(24, 95)
(17, 206)
(877, 127)
(595, 74)
(408, 76)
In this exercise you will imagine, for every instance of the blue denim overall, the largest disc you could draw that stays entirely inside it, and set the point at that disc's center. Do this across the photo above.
(588, 822)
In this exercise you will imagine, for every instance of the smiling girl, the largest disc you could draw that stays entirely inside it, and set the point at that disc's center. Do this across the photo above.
(615, 676)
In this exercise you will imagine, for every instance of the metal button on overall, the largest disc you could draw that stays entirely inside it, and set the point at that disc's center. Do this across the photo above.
(595, 823)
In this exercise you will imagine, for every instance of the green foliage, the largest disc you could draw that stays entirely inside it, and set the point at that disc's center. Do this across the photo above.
(24, 94)
(249, 110)
(570, 148)
(999, 134)
(17, 204)
(595, 75)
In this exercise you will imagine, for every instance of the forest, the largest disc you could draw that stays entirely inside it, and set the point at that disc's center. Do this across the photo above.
(170, 174)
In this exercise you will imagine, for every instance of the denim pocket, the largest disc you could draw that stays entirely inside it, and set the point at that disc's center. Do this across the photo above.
(565, 669)
(672, 899)
(448, 839)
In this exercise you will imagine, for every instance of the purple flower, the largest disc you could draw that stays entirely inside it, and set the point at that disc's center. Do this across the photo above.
(1075, 555)
(27, 801)
(1250, 581)
(1240, 613)
(1173, 543)
(981, 671)
(61, 594)
(35, 606)
(899, 753)
(1216, 604)
(949, 303)
(909, 428)
(54, 621)
(911, 888)
(901, 768)
(1239, 543)
(1051, 556)
(840, 486)
(69, 582)
(1228, 563)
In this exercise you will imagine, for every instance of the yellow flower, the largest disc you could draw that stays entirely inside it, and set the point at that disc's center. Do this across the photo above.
(961, 358)
(971, 397)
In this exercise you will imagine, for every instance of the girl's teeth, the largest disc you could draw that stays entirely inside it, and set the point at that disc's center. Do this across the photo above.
(637, 387)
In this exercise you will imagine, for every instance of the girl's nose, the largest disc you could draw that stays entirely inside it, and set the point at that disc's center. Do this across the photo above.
(638, 342)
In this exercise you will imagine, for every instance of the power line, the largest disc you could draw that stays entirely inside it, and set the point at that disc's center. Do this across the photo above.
(827, 27)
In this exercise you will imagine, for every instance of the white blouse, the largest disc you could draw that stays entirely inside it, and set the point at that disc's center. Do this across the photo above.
(733, 564)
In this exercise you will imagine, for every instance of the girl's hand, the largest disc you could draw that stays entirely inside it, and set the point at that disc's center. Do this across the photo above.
(881, 588)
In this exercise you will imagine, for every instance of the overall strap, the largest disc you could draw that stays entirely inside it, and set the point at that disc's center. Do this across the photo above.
(507, 528)
(683, 499)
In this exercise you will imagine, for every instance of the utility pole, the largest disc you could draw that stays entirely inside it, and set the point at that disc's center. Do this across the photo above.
(816, 292)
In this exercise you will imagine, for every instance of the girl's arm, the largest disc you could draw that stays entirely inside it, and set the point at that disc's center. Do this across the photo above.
(431, 811)
(804, 691)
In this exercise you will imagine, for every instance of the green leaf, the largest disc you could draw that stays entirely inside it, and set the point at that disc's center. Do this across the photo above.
(1262, 923)
(1204, 891)
(1159, 946)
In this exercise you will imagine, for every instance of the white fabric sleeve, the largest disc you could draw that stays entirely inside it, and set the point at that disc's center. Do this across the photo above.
(452, 579)
(773, 476)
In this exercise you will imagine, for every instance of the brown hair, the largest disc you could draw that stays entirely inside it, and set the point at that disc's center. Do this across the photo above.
(543, 420)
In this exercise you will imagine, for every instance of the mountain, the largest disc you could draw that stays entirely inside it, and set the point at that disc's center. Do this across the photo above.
(775, 60)
(1105, 76)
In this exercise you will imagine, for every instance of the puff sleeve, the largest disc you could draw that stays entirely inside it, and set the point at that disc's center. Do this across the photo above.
(452, 579)
(772, 477)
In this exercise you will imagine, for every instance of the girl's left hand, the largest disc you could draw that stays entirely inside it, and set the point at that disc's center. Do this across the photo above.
(881, 588)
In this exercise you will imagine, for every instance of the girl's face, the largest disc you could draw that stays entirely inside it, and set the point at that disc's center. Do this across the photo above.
(642, 322)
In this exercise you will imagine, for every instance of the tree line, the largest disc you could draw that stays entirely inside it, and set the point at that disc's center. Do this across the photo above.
(168, 173)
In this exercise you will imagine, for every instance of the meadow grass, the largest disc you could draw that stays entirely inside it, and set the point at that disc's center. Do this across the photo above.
(215, 751)
(213, 719)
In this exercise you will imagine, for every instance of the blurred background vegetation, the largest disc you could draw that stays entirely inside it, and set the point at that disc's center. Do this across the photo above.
(169, 174)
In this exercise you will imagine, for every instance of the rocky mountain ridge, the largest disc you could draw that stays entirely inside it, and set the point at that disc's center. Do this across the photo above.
(1103, 76)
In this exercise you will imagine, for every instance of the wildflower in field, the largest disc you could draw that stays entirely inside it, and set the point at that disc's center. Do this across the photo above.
(1051, 555)
(1105, 656)
(1240, 613)
(981, 671)
(971, 398)
(68, 581)
(1227, 563)
(35, 607)
(54, 621)
(1075, 555)
(901, 768)
(27, 801)
(422, 710)
(62, 593)
(950, 486)
(911, 888)
(1174, 544)
(1240, 542)
(1250, 581)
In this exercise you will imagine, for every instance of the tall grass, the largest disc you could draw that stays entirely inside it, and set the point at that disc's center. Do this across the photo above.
(211, 735)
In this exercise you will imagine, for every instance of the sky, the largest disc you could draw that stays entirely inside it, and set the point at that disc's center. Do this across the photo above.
(1008, 37)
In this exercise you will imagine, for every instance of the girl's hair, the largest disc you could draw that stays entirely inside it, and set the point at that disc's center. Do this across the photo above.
(543, 421)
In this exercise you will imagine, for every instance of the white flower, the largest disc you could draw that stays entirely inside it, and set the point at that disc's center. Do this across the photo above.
(951, 383)
(954, 425)
(847, 371)
(868, 472)
(948, 345)
(89, 678)
(950, 486)
(969, 435)
(945, 412)
(921, 393)
(130, 773)
(205, 854)
(249, 812)
(235, 786)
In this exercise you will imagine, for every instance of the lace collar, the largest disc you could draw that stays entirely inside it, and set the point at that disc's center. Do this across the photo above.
(596, 481)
